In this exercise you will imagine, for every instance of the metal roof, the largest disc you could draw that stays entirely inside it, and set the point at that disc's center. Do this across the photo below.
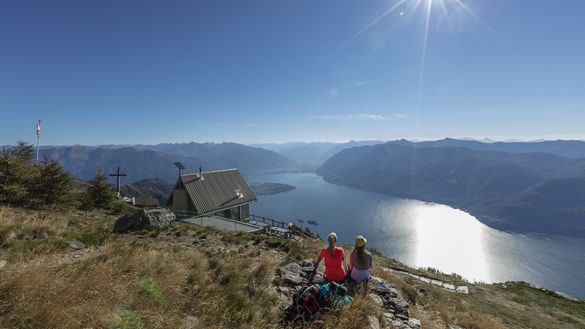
(217, 190)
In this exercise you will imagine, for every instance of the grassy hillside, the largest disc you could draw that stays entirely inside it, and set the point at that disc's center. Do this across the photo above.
(154, 188)
(69, 271)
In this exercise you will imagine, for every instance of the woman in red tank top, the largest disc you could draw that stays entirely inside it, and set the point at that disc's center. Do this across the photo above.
(334, 260)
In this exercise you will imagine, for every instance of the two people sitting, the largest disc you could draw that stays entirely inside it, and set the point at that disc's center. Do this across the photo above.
(360, 261)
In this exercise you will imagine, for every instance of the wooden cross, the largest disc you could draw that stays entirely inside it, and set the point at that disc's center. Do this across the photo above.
(118, 175)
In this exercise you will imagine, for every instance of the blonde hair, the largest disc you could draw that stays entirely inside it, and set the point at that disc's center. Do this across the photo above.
(361, 253)
(331, 239)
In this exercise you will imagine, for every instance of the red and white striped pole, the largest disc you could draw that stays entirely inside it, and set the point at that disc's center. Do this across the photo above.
(38, 137)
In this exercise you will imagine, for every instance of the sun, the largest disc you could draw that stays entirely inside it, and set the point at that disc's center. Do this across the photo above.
(427, 7)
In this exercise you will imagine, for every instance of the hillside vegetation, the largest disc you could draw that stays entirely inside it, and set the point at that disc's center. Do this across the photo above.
(526, 192)
(66, 270)
(155, 188)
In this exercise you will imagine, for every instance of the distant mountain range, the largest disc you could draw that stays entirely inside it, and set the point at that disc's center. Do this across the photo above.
(526, 192)
(519, 186)
(312, 154)
(566, 148)
(156, 161)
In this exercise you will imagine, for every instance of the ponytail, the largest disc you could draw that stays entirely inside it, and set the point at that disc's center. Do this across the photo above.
(331, 239)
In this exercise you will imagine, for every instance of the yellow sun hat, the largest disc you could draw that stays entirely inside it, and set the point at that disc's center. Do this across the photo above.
(360, 241)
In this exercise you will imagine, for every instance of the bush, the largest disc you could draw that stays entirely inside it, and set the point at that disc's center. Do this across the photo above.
(99, 192)
(23, 184)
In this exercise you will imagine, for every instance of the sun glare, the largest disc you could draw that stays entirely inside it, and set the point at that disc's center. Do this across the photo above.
(414, 8)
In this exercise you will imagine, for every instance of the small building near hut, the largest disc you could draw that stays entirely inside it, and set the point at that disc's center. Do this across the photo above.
(222, 193)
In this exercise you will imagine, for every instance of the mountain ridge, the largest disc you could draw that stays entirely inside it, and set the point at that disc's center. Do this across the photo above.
(503, 190)
(156, 161)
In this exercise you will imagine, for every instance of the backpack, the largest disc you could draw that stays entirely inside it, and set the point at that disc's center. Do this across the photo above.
(308, 301)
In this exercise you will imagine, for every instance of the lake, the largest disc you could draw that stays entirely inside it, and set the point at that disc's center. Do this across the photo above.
(423, 234)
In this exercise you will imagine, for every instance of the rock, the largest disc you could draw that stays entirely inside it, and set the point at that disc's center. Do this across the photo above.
(380, 286)
(376, 299)
(373, 322)
(291, 274)
(414, 323)
(462, 289)
(76, 245)
(3, 263)
(190, 322)
(392, 301)
(448, 286)
(296, 274)
(387, 319)
(144, 218)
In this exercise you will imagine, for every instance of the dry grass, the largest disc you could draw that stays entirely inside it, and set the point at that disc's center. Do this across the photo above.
(28, 233)
(488, 306)
(355, 317)
(149, 280)
(154, 286)
(158, 278)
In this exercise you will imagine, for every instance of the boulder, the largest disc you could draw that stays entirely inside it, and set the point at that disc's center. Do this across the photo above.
(144, 218)
(291, 274)
(414, 323)
(391, 299)
(462, 289)
(3, 263)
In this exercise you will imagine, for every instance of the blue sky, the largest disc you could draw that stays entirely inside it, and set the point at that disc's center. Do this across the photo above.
(124, 72)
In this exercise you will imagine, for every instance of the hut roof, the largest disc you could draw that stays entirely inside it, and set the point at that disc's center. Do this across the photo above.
(215, 190)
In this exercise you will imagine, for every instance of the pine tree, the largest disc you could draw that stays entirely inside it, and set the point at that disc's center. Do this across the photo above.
(100, 192)
(16, 174)
(52, 186)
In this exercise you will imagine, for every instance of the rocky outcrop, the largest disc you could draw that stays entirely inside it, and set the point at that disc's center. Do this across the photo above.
(392, 301)
(291, 277)
(144, 218)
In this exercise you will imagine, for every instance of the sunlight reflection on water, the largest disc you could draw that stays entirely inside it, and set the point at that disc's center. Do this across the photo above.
(423, 234)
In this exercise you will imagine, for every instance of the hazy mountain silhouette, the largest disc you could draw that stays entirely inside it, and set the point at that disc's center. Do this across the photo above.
(156, 161)
(566, 148)
(312, 154)
(538, 192)
(250, 160)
